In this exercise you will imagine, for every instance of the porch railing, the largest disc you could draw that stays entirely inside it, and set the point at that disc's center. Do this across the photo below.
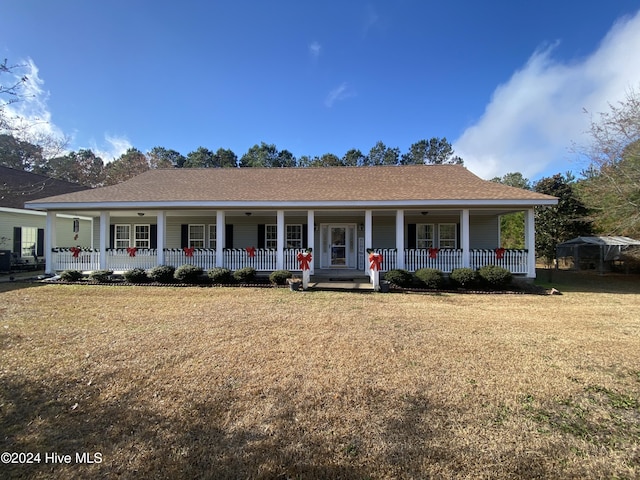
(513, 260)
(84, 260)
(444, 259)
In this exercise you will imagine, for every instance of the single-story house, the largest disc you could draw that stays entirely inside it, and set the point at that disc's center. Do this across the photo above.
(21, 230)
(436, 216)
(596, 251)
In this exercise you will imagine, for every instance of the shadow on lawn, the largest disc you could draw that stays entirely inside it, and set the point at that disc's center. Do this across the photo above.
(588, 281)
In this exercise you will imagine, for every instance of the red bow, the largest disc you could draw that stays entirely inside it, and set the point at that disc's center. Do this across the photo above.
(375, 261)
(433, 252)
(132, 251)
(251, 251)
(188, 251)
(304, 259)
(76, 251)
(500, 253)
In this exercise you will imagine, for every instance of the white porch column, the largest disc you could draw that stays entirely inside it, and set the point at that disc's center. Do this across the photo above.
(220, 237)
(161, 228)
(49, 242)
(280, 239)
(368, 236)
(400, 237)
(464, 238)
(311, 238)
(105, 221)
(530, 242)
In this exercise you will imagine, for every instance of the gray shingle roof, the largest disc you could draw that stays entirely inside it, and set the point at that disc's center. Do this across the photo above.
(336, 184)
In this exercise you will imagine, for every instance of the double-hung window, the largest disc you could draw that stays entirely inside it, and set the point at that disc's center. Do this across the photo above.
(447, 234)
(142, 237)
(212, 236)
(122, 236)
(294, 236)
(424, 235)
(196, 236)
(271, 236)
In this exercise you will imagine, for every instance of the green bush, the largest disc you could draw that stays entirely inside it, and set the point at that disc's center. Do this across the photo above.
(464, 277)
(399, 277)
(245, 275)
(494, 277)
(279, 277)
(188, 274)
(220, 275)
(161, 273)
(136, 275)
(430, 277)
(101, 276)
(71, 275)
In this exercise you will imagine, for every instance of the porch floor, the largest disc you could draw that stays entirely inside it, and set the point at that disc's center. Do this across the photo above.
(340, 280)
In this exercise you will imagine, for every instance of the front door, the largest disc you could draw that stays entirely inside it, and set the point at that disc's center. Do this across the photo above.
(338, 246)
(338, 237)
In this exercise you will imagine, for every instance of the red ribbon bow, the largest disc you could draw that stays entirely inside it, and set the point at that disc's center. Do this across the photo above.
(500, 253)
(132, 251)
(75, 251)
(375, 261)
(304, 259)
(188, 251)
(433, 252)
(251, 251)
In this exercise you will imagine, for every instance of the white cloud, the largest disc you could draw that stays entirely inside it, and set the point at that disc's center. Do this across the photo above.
(114, 148)
(341, 92)
(535, 117)
(314, 49)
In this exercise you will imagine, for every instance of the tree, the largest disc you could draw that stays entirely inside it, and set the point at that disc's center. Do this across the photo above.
(82, 167)
(562, 222)
(265, 155)
(326, 160)
(354, 158)
(380, 154)
(19, 154)
(435, 151)
(129, 164)
(611, 187)
(225, 158)
(160, 157)
(11, 91)
(200, 158)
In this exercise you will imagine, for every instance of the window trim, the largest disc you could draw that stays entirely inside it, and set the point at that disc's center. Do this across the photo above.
(455, 235)
(190, 239)
(137, 241)
(212, 236)
(425, 239)
(117, 239)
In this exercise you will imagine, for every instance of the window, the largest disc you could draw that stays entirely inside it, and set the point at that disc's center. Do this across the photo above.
(271, 236)
(142, 236)
(122, 236)
(447, 235)
(196, 236)
(29, 242)
(294, 236)
(212, 236)
(424, 234)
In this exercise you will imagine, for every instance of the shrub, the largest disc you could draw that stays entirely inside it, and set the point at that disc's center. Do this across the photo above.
(245, 275)
(101, 276)
(494, 277)
(161, 273)
(279, 277)
(71, 275)
(464, 277)
(220, 275)
(136, 275)
(430, 277)
(188, 274)
(399, 277)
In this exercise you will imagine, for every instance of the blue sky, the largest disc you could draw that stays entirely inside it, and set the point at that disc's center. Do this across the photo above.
(506, 82)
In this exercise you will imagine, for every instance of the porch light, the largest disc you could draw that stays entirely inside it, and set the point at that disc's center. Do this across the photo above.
(248, 214)
(361, 227)
(424, 213)
(140, 214)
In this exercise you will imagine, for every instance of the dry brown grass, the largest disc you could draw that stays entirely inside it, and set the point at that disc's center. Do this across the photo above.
(265, 383)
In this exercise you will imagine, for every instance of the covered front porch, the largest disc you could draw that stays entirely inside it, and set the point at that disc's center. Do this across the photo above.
(269, 240)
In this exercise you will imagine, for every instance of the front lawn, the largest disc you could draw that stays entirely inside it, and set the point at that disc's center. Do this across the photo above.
(266, 383)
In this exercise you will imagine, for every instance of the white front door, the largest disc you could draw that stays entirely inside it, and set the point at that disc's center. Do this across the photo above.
(338, 246)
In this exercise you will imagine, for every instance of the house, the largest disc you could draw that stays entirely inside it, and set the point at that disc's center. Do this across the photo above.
(436, 216)
(22, 230)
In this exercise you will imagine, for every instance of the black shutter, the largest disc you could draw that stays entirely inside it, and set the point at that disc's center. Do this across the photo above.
(458, 239)
(112, 236)
(184, 235)
(305, 236)
(411, 235)
(17, 240)
(228, 236)
(40, 244)
(261, 235)
(153, 236)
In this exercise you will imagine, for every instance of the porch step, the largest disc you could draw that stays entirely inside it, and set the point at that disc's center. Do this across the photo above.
(340, 282)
